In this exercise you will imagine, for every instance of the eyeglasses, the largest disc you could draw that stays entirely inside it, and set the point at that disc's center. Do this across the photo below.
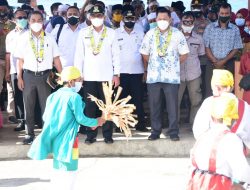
(188, 22)
(21, 17)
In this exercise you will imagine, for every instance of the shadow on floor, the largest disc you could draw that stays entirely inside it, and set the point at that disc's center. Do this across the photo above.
(15, 182)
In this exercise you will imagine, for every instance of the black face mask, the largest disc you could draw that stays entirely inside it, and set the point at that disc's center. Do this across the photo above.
(73, 20)
(129, 24)
(212, 19)
(224, 19)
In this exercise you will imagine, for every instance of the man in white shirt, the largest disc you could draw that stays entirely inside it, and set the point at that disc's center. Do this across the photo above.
(67, 35)
(97, 57)
(131, 62)
(12, 40)
(163, 49)
(36, 54)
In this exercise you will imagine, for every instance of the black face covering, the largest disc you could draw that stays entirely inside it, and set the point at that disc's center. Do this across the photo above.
(73, 20)
(129, 24)
(224, 19)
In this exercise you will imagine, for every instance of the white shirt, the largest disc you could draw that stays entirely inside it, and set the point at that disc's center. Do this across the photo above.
(230, 159)
(12, 40)
(66, 43)
(25, 52)
(130, 57)
(100, 67)
(203, 119)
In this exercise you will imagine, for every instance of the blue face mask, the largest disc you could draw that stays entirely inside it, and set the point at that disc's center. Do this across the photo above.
(246, 29)
(77, 87)
(240, 21)
(22, 23)
(153, 25)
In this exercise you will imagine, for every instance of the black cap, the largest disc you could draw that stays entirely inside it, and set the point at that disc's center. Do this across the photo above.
(4, 3)
(178, 5)
(128, 10)
(96, 9)
(117, 7)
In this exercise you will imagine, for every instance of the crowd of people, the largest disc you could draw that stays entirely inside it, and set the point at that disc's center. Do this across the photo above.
(130, 44)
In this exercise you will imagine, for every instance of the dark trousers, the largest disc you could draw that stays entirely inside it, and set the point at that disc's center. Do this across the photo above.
(35, 87)
(18, 98)
(155, 103)
(132, 85)
(91, 109)
(209, 73)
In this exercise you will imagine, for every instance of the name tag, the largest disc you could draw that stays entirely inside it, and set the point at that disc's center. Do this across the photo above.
(87, 37)
(120, 39)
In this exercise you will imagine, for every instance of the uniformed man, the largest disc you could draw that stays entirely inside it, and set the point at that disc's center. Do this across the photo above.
(6, 26)
(116, 16)
(97, 57)
(36, 54)
(132, 68)
(12, 40)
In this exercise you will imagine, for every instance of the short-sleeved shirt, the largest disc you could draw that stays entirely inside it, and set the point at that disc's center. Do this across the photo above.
(190, 69)
(222, 41)
(12, 40)
(25, 52)
(164, 69)
(130, 57)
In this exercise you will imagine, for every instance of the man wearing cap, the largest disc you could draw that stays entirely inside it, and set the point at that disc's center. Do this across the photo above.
(163, 49)
(218, 161)
(66, 38)
(116, 16)
(5, 27)
(131, 64)
(62, 116)
(36, 53)
(223, 82)
(97, 57)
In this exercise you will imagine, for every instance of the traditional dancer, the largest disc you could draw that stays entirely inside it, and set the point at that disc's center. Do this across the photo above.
(62, 118)
(217, 157)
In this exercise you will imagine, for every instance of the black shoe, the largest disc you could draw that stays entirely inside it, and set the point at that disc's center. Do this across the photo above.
(13, 120)
(28, 140)
(20, 127)
(83, 130)
(108, 140)
(90, 141)
(142, 129)
(153, 137)
(174, 137)
(117, 130)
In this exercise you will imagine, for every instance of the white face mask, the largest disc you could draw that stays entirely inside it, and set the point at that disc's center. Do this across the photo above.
(163, 24)
(240, 21)
(77, 87)
(187, 29)
(97, 21)
(36, 27)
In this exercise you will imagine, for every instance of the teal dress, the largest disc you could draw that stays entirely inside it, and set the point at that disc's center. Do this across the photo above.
(62, 118)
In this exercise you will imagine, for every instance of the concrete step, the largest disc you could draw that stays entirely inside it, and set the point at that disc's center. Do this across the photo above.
(11, 147)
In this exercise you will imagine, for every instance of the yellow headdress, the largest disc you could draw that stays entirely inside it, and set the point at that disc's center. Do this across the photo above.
(222, 77)
(69, 73)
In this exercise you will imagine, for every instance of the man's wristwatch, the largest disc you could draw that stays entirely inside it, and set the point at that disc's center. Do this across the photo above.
(117, 75)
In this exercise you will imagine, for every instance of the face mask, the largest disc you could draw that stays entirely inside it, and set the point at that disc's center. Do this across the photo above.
(77, 87)
(22, 23)
(212, 19)
(246, 29)
(153, 25)
(97, 21)
(224, 19)
(117, 17)
(36, 27)
(73, 20)
(129, 24)
(240, 21)
(163, 24)
(187, 29)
